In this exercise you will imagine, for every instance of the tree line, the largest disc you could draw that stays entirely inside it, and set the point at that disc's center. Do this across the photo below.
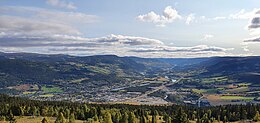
(68, 112)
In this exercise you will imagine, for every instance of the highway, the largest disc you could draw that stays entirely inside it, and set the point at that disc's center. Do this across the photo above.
(163, 86)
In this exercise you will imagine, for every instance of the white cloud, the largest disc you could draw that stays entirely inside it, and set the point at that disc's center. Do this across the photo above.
(253, 39)
(127, 40)
(25, 26)
(254, 26)
(61, 4)
(190, 18)
(198, 48)
(255, 22)
(168, 16)
(242, 14)
(206, 37)
(113, 44)
(245, 48)
(52, 32)
(219, 18)
(49, 15)
(40, 23)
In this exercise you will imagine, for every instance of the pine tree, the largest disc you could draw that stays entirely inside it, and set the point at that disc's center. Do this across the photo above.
(168, 119)
(21, 111)
(225, 119)
(45, 120)
(143, 119)
(117, 117)
(107, 117)
(256, 117)
(132, 118)
(72, 118)
(67, 114)
(124, 118)
(205, 118)
(181, 117)
(154, 119)
(218, 119)
(244, 115)
(34, 111)
(95, 118)
(60, 118)
(11, 117)
(193, 116)
(154, 115)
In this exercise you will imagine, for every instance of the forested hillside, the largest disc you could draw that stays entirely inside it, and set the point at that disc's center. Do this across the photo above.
(119, 113)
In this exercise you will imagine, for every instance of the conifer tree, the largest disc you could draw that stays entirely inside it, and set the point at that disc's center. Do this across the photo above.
(225, 119)
(168, 119)
(143, 119)
(72, 118)
(154, 119)
(132, 118)
(45, 120)
(60, 118)
(124, 118)
(107, 117)
(181, 117)
(117, 117)
(256, 117)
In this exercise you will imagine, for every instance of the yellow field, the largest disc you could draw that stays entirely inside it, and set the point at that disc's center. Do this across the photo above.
(30, 119)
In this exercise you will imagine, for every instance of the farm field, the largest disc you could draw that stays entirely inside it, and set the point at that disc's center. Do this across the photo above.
(31, 119)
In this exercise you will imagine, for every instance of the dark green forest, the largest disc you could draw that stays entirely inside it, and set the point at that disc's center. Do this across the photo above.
(121, 113)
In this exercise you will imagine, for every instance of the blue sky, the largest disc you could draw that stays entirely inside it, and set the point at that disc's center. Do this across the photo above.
(156, 28)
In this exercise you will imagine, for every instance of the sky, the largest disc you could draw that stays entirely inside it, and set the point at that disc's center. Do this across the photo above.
(142, 28)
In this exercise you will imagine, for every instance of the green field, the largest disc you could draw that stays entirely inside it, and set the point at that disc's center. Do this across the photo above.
(215, 79)
(46, 95)
(236, 98)
(98, 70)
(238, 90)
(199, 90)
(209, 91)
(52, 89)
(29, 92)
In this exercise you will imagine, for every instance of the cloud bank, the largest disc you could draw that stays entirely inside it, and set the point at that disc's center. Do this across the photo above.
(56, 32)
(168, 16)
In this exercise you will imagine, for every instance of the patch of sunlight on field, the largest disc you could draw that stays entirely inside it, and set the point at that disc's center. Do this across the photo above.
(46, 95)
(52, 89)
(236, 98)
(29, 92)
(199, 90)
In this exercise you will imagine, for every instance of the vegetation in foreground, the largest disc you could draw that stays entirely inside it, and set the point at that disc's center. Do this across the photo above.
(13, 109)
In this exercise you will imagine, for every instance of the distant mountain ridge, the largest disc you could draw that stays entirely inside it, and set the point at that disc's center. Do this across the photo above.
(39, 68)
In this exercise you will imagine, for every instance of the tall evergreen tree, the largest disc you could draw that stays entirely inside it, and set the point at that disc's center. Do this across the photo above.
(45, 120)
(181, 117)
(154, 120)
(167, 119)
(143, 119)
(117, 117)
(60, 118)
(256, 117)
(72, 118)
(124, 118)
(132, 118)
(107, 117)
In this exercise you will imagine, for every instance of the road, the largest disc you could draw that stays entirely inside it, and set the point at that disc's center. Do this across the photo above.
(154, 90)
